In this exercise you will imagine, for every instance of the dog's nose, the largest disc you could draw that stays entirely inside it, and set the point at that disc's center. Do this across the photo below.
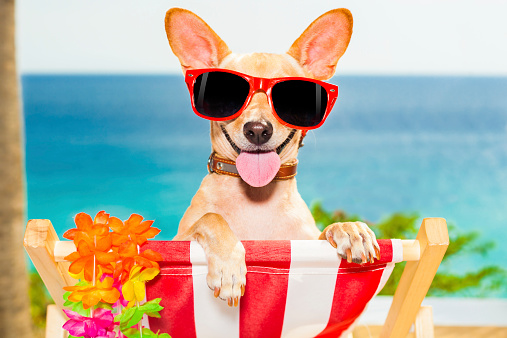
(258, 132)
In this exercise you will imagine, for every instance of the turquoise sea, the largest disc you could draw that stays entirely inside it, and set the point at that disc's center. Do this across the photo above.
(125, 144)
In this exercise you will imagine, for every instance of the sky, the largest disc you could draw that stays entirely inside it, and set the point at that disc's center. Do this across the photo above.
(390, 37)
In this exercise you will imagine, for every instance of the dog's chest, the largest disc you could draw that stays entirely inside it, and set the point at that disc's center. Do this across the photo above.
(274, 212)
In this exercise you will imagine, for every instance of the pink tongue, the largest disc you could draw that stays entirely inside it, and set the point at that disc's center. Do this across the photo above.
(258, 169)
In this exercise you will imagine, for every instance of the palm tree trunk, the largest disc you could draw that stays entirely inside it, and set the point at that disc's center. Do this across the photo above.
(14, 305)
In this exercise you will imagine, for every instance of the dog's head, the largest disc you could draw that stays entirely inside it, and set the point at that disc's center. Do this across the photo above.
(313, 55)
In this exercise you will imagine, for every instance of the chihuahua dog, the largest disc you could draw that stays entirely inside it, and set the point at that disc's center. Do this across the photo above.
(260, 106)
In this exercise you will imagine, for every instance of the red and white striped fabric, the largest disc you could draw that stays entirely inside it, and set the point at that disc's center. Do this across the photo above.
(293, 289)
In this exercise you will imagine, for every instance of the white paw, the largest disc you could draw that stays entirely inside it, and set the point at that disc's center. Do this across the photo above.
(227, 274)
(354, 241)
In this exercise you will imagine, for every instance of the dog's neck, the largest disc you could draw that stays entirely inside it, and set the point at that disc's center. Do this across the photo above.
(230, 189)
(222, 166)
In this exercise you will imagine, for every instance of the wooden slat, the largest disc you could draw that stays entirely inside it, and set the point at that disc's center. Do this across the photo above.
(369, 331)
(417, 277)
(54, 322)
(424, 323)
(411, 250)
(39, 242)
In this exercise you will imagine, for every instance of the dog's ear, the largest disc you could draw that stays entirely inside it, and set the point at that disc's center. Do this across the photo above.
(322, 44)
(194, 43)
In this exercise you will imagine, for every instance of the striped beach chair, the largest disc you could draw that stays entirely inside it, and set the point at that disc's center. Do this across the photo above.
(294, 288)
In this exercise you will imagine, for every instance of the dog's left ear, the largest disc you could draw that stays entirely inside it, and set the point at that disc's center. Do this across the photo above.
(323, 43)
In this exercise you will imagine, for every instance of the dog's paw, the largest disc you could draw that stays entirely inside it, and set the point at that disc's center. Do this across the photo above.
(354, 241)
(227, 274)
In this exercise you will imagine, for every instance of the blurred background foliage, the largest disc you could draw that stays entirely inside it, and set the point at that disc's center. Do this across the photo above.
(480, 283)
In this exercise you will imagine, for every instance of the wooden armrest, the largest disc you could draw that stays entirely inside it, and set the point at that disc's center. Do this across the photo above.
(417, 277)
(40, 239)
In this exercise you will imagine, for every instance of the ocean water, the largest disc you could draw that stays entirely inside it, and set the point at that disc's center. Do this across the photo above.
(432, 145)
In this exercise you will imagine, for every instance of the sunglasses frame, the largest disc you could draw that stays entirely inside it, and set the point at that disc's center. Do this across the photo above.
(261, 84)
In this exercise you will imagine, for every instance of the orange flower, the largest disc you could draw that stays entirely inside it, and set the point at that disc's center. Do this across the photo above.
(90, 255)
(128, 252)
(88, 229)
(90, 295)
(134, 229)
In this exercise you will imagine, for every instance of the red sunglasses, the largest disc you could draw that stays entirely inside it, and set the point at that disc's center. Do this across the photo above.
(296, 102)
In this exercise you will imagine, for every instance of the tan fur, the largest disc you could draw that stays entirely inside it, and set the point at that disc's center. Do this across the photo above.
(225, 209)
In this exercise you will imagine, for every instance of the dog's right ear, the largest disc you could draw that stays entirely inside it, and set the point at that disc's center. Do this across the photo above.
(194, 43)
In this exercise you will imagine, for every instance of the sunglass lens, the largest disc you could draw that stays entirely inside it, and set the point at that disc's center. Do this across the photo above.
(300, 103)
(219, 94)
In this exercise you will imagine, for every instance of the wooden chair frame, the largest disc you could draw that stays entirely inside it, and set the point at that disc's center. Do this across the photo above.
(423, 256)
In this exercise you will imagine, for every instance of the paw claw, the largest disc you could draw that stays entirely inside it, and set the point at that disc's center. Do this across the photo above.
(349, 255)
(227, 275)
(236, 301)
(242, 290)
(353, 241)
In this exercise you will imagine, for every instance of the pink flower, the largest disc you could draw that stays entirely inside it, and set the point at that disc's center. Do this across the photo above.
(98, 326)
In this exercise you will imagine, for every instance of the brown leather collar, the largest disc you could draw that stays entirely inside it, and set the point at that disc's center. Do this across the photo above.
(227, 167)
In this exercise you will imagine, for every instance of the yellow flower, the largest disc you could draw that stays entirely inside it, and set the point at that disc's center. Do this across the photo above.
(134, 289)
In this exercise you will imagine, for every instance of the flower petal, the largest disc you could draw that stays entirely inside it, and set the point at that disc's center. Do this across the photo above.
(134, 272)
(148, 274)
(133, 221)
(78, 265)
(128, 291)
(83, 247)
(145, 225)
(139, 290)
(151, 232)
(91, 299)
(73, 315)
(103, 317)
(116, 224)
(105, 257)
(152, 255)
(143, 261)
(91, 328)
(103, 244)
(89, 269)
(110, 296)
(75, 328)
(71, 233)
(101, 217)
(83, 221)
(72, 257)
(118, 239)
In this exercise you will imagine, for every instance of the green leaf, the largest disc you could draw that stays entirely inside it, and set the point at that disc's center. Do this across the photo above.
(153, 314)
(132, 332)
(131, 317)
(106, 306)
(152, 306)
(66, 299)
